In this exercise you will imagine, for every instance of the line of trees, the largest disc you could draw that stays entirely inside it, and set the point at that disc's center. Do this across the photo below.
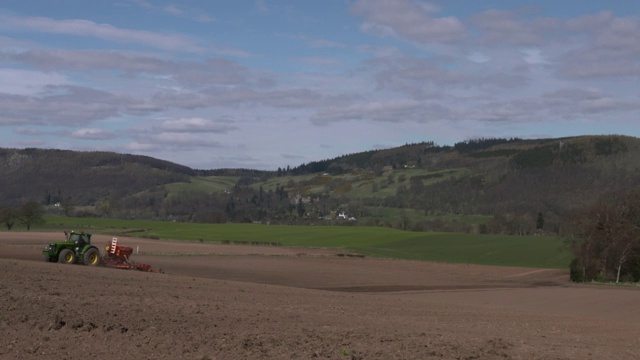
(606, 241)
(28, 215)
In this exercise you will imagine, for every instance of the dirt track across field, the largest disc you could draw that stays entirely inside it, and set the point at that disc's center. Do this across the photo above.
(215, 301)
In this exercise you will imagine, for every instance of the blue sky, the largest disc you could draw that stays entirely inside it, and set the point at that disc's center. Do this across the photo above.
(265, 84)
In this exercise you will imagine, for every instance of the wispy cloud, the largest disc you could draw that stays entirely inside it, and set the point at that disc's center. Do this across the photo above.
(409, 20)
(168, 141)
(195, 125)
(106, 32)
(29, 82)
(499, 27)
(179, 10)
(61, 105)
(93, 134)
(320, 43)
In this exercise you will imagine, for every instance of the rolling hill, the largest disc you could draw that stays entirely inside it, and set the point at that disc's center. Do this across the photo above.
(484, 185)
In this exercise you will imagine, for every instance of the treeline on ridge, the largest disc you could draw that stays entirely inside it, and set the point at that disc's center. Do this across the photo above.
(513, 181)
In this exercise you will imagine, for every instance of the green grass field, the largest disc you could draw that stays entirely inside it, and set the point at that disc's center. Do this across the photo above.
(199, 184)
(525, 251)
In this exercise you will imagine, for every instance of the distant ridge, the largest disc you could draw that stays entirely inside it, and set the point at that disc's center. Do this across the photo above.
(514, 180)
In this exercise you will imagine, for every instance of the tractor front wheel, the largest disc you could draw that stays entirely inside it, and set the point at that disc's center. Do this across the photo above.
(67, 256)
(49, 258)
(91, 257)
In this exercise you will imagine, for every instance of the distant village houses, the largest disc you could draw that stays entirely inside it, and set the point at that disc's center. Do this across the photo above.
(343, 216)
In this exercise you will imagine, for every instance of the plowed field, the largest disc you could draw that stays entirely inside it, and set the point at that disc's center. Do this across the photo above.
(212, 301)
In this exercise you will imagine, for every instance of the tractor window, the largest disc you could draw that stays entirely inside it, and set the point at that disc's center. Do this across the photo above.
(74, 237)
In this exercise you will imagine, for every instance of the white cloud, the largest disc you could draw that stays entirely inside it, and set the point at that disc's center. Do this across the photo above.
(93, 134)
(171, 140)
(429, 78)
(609, 48)
(87, 60)
(322, 61)
(28, 82)
(320, 43)
(478, 57)
(28, 131)
(572, 102)
(208, 72)
(498, 25)
(86, 28)
(142, 147)
(589, 23)
(534, 56)
(394, 111)
(408, 20)
(61, 105)
(196, 125)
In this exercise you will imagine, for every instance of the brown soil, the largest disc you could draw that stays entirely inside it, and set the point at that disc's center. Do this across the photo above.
(216, 301)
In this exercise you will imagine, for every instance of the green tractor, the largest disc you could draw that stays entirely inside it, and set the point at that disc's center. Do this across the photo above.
(76, 249)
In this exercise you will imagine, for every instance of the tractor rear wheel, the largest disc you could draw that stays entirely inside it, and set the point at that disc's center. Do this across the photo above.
(67, 256)
(91, 257)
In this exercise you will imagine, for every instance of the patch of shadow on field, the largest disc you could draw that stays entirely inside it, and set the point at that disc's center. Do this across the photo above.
(413, 288)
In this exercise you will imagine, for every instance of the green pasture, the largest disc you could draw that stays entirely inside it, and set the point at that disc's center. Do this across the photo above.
(525, 251)
(417, 215)
(360, 184)
(273, 183)
(363, 186)
(503, 250)
(202, 184)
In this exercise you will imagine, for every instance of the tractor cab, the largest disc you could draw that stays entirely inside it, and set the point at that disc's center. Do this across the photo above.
(79, 239)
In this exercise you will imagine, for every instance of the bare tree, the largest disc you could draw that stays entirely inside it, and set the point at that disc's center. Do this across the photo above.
(8, 216)
(67, 205)
(609, 234)
(31, 214)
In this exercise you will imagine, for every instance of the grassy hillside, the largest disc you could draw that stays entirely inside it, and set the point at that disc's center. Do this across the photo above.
(500, 186)
(202, 185)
